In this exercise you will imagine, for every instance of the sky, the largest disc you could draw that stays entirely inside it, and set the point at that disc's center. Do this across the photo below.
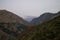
(25, 8)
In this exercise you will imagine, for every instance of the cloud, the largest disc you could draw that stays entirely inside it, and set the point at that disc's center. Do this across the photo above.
(30, 7)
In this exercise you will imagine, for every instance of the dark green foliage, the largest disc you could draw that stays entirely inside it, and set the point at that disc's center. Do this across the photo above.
(46, 31)
(22, 27)
(12, 29)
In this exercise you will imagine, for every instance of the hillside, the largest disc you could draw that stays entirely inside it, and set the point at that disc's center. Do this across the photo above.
(11, 25)
(44, 17)
(49, 30)
(8, 17)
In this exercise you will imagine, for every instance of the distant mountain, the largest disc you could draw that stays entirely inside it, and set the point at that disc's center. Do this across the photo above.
(11, 25)
(29, 18)
(44, 17)
(49, 30)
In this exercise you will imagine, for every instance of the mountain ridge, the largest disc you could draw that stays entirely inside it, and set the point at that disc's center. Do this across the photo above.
(13, 27)
(44, 17)
(49, 30)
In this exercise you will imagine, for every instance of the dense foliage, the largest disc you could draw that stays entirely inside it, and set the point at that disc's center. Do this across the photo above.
(11, 30)
(49, 30)
(46, 31)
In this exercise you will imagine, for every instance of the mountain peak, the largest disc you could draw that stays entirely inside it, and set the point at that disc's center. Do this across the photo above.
(7, 16)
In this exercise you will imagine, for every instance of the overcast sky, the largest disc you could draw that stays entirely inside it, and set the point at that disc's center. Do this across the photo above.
(30, 7)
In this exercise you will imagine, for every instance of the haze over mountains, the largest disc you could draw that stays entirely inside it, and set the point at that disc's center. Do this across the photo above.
(29, 18)
(44, 27)
(44, 17)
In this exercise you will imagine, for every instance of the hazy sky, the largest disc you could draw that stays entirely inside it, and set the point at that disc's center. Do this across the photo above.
(30, 7)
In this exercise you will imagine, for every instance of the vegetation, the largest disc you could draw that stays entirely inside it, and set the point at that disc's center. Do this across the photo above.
(15, 28)
(46, 31)
(11, 30)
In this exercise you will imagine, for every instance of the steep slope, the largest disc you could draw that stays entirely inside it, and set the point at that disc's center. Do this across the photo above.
(11, 25)
(49, 30)
(8, 17)
(44, 17)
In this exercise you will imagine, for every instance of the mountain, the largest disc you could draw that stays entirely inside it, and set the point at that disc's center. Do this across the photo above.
(8, 17)
(29, 18)
(44, 17)
(11, 25)
(49, 30)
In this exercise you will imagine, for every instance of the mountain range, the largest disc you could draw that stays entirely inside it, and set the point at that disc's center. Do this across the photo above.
(44, 27)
